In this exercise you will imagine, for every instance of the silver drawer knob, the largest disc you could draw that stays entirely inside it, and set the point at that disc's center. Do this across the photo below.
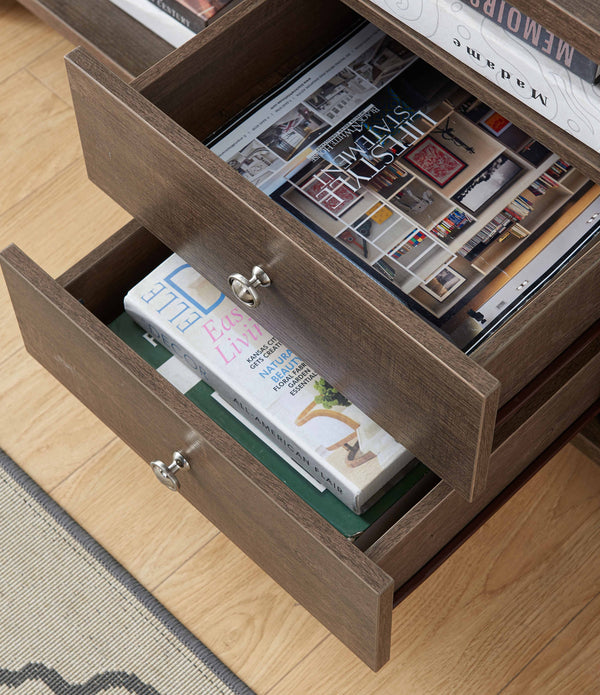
(245, 290)
(166, 474)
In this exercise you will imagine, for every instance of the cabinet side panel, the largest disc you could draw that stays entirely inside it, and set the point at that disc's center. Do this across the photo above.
(433, 522)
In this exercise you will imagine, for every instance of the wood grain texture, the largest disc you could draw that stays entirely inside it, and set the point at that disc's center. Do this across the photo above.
(542, 129)
(488, 611)
(496, 504)
(257, 629)
(33, 119)
(563, 666)
(414, 539)
(63, 219)
(42, 425)
(172, 530)
(213, 77)
(22, 38)
(575, 21)
(588, 440)
(105, 30)
(50, 70)
(416, 385)
(259, 513)
(103, 277)
(520, 408)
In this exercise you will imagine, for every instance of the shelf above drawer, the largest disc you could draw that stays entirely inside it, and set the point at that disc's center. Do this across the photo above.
(437, 402)
(575, 21)
(106, 31)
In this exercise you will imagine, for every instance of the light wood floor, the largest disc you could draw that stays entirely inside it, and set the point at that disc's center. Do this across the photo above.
(515, 610)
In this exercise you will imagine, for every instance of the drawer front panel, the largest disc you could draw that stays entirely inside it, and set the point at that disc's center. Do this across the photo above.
(410, 380)
(268, 522)
(439, 516)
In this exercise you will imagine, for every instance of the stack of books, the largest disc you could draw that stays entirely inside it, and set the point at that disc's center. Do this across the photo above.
(361, 529)
(499, 224)
(175, 21)
(267, 384)
(453, 223)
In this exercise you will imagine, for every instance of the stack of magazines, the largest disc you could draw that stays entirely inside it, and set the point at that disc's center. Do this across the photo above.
(426, 188)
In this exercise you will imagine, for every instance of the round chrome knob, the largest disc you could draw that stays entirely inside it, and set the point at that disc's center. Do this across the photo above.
(246, 290)
(166, 474)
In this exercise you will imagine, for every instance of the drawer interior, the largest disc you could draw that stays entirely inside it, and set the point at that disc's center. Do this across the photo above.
(200, 102)
(101, 280)
(63, 326)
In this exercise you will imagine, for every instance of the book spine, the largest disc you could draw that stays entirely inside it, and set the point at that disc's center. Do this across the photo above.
(163, 25)
(546, 87)
(181, 13)
(535, 35)
(178, 346)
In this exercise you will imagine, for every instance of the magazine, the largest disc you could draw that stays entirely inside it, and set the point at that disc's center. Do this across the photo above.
(424, 187)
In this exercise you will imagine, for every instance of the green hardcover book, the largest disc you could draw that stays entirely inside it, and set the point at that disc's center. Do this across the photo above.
(417, 482)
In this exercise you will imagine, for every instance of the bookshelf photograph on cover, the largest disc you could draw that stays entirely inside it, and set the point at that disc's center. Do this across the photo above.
(416, 181)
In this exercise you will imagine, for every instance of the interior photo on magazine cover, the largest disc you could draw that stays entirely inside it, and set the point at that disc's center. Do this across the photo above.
(440, 198)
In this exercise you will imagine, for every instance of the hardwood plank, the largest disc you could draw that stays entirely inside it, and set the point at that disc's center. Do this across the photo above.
(446, 419)
(61, 221)
(44, 427)
(114, 480)
(493, 605)
(22, 38)
(568, 663)
(254, 626)
(33, 121)
(50, 70)
(112, 35)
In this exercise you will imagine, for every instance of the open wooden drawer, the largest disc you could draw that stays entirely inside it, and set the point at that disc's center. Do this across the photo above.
(142, 144)
(350, 590)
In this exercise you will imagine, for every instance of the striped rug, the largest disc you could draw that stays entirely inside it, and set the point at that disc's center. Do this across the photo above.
(74, 622)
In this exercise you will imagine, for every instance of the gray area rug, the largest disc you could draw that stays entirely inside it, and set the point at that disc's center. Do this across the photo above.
(74, 622)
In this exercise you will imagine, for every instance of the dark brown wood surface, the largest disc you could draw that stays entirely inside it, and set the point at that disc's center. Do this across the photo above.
(588, 440)
(101, 279)
(575, 21)
(350, 595)
(546, 326)
(439, 516)
(522, 406)
(559, 141)
(399, 370)
(113, 36)
(213, 77)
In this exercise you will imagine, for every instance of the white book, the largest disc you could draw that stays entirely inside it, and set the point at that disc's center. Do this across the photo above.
(266, 382)
(156, 20)
(543, 85)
